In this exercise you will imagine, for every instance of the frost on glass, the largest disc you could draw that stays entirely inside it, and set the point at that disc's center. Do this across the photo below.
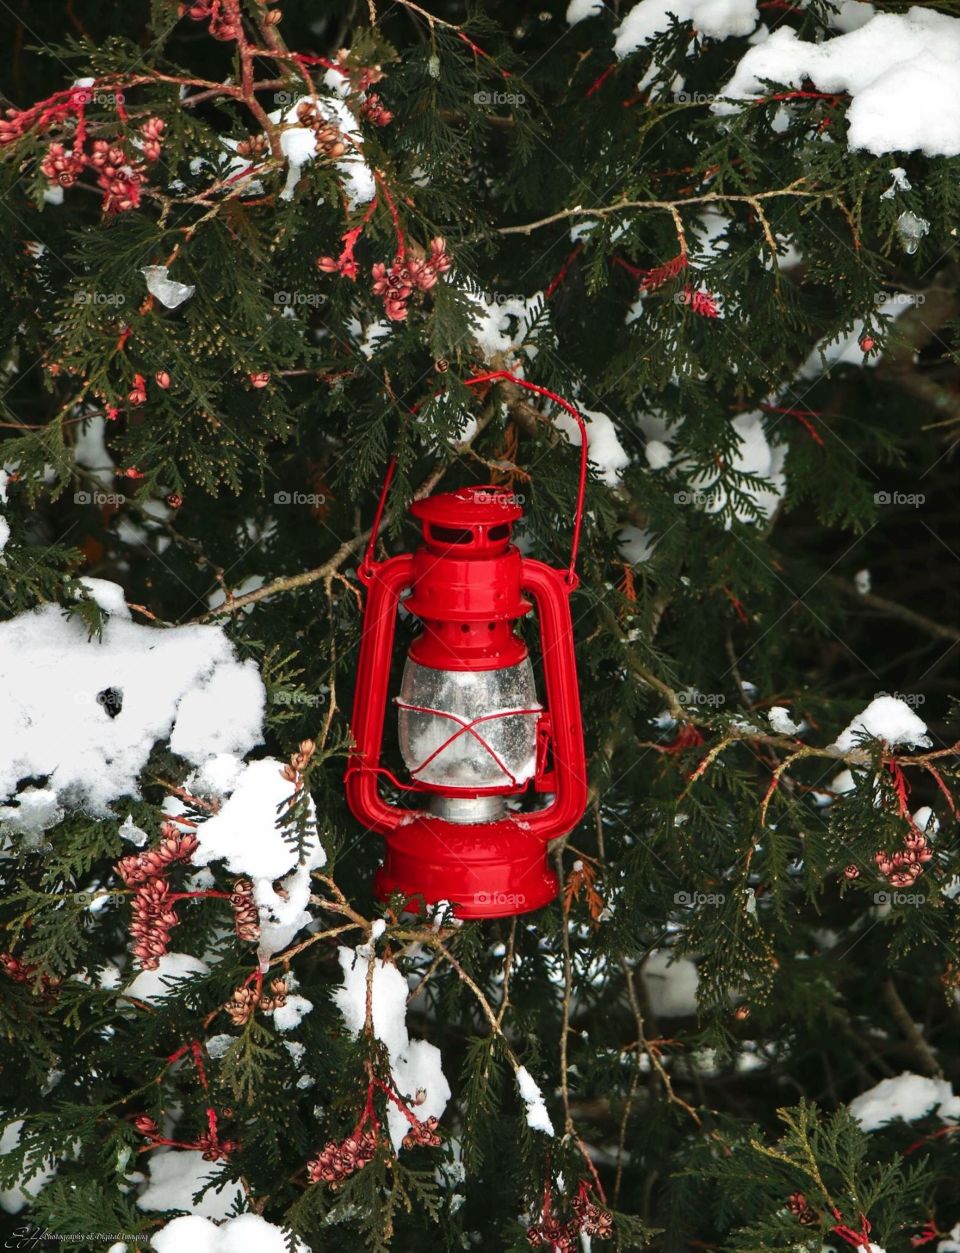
(469, 695)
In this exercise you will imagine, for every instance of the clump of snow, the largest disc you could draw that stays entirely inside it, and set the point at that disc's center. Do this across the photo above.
(176, 1175)
(900, 180)
(216, 777)
(245, 835)
(13, 1200)
(862, 582)
(36, 810)
(756, 454)
(247, 1233)
(671, 984)
(636, 544)
(908, 1097)
(500, 324)
(414, 1064)
(299, 144)
(153, 985)
(537, 1116)
(781, 722)
(84, 714)
(604, 448)
(658, 454)
(289, 1015)
(911, 230)
(168, 291)
(579, 10)
(901, 70)
(129, 830)
(886, 718)
(717, 19)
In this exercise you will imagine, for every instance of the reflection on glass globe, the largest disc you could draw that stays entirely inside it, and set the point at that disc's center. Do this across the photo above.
(468, 694)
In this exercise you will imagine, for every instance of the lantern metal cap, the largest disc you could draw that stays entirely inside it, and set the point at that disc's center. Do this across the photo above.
(469, 506)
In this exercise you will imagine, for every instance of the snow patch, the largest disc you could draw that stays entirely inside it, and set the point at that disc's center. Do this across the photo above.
(414, 1064)
(248, 1233)
(717, 19)
(176, 1175)
(908, 1097)
(901, 70)
(62, 722)
(886, 718)
(244, 835)
(537, 1117)
(153, 985)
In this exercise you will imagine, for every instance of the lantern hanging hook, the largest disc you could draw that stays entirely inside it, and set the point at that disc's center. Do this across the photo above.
(366, 566)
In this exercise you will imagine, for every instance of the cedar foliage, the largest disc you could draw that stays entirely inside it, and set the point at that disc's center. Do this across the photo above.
(799, 968)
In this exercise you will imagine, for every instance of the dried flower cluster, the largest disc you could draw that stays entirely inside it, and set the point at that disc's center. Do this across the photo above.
(407, 275)
(564, 1237)
(154, 915)
(246, 916)
(246, 999)
(299, 762)
(23, 972)
(224, 17)
(337, 1160)
(330, 139)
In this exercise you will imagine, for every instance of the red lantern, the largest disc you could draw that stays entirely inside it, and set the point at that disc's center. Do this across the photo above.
(472, 731)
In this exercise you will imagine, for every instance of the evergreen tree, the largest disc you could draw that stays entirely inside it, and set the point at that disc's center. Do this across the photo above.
(253, 256)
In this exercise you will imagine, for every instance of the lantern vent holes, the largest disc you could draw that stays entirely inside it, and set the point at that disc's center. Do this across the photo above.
(451, 535)
(499, 532)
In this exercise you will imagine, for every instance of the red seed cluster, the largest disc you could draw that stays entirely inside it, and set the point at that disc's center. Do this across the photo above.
(406, 276)
(903, 868)
(246, 916)
(424, 1133)
(223, 15)
(374, 111)
(154, 916)
(338, 1160)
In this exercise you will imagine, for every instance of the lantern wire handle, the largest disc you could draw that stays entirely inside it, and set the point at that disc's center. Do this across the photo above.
(571, 575)
(366, 566)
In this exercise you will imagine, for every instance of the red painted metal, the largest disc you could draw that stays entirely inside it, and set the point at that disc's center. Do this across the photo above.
(469, 585)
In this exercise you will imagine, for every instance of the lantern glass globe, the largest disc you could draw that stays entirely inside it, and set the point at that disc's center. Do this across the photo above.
(439, 752)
